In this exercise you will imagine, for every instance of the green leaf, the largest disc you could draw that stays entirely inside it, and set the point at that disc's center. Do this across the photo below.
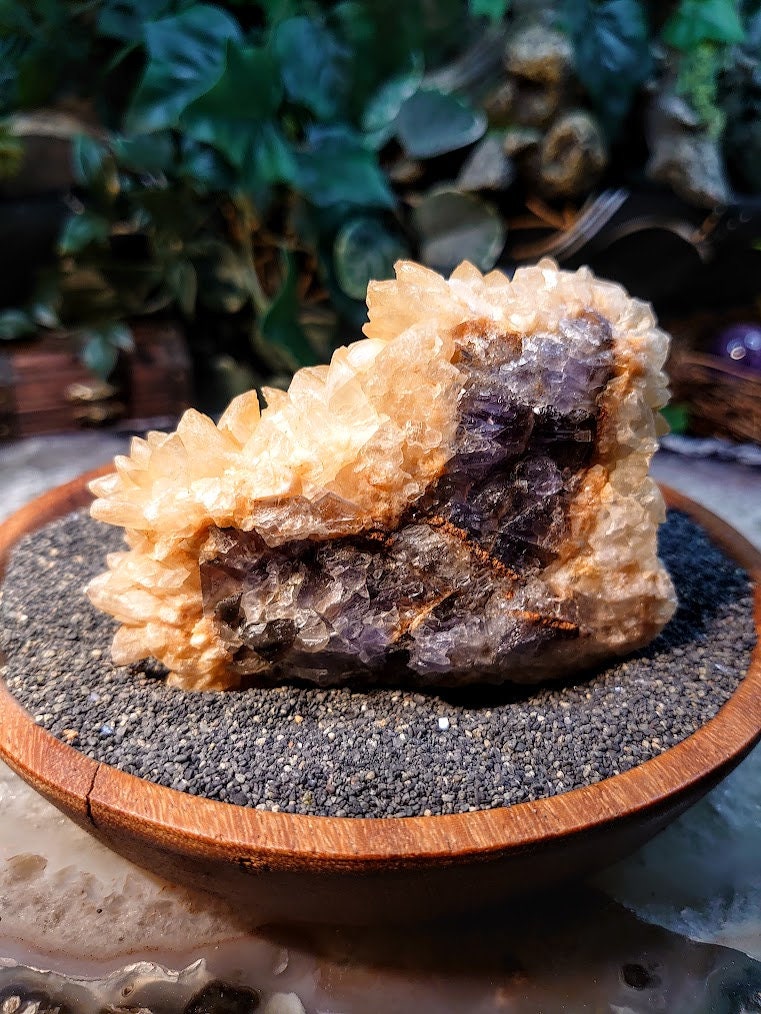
(337, 168)
(365, 250)
(88, 157)
(455, 227)
(98, 352)
(495, 10)
(186, 58)
(205, 168)
(183, 282)
(677, 416)
(46, 302)
(383, 107)
(696, 21)
(280, 322)
(611, 54)
(144, 153)
(315, 67)
(120, 336)
(124, 19)
(229, 114)
(432, 123)
(81, 230)
(15, 324)
(278, 10)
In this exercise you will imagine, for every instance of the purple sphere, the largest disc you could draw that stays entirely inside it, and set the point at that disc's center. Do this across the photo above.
(741, 344)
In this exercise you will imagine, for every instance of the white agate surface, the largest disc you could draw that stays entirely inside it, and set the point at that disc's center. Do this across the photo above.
(702, 875)
(62, 891)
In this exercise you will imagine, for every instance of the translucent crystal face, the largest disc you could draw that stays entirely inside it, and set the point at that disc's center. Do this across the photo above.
(462, 496)
(444, 597)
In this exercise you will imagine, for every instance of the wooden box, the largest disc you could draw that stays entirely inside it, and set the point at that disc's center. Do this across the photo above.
(45, 388)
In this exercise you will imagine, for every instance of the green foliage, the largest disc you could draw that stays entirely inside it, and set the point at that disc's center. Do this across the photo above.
(455, 226)
(335, 167)
(433, 123)
(612, 53)
(365, 249)
(101, 346)
(495, 10)
(15, 324)
(315, 67)
(280, 324)
(240, 163)
(698, 82)
(677, 415)
(186, 58)
(698, 21)
(81, 230)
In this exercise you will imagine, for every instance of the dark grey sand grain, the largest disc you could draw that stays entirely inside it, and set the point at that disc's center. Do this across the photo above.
(378, 753)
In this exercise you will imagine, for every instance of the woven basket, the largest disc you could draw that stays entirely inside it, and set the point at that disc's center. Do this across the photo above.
(724, 399)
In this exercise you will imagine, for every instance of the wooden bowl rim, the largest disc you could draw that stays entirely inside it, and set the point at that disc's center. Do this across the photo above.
(104, 796)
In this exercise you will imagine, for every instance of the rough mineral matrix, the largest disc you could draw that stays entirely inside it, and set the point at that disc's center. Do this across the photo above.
(461, 497)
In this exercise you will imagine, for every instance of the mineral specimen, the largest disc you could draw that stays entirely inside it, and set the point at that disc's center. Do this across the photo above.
(461, 497)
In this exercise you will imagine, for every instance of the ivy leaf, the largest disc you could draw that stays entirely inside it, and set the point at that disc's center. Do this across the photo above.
(228, 115)
(677, 415)
(337, 168)
(100, 347)
(276, 11)
(612, 54)
(120, 336)
(144, 153)
(124, 19)
(455, 226)
(205, 168)
(88, 158)
(696, 21)
(280, 322)
(46, 302)
(270, 158)
(186, 58)
(432, 123)
(365, 250)
(97, 353)
(81, 230)
(382, 109)
(315, 67)
(495, 10)
(15, 324)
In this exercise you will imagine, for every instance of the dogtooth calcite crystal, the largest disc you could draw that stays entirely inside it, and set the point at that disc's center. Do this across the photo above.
(461, 497)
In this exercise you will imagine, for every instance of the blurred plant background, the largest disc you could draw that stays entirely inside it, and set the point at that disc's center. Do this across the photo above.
(246, 167)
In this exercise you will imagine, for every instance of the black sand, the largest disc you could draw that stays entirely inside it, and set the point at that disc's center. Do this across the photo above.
(376, 753)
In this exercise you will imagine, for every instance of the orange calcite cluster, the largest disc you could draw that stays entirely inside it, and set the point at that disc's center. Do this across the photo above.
(354, 445)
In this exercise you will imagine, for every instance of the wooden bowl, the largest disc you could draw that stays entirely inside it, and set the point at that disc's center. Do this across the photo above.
(289, 867)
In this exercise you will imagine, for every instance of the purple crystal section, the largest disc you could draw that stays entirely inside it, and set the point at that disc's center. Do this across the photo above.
(453, 594)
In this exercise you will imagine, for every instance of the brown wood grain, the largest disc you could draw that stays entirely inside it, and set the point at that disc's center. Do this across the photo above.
(287, 866)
